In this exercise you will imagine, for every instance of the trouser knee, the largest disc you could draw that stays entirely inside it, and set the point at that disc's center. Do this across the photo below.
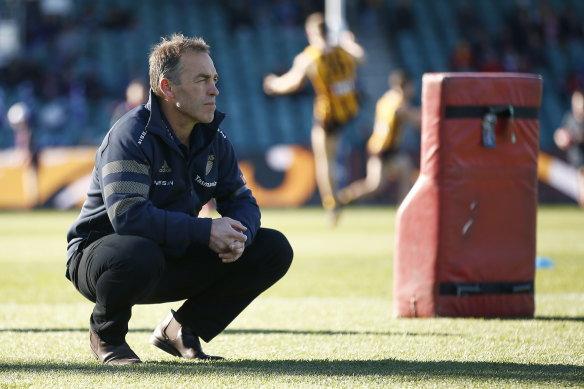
(140, 258)
(281, 252)
(119, 265)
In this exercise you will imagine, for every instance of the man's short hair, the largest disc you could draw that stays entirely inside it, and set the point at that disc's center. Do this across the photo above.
(164, 60)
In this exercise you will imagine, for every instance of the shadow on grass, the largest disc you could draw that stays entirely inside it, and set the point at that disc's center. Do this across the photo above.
(237, 331)
(527, 373)
(558, 318)
(535, 318)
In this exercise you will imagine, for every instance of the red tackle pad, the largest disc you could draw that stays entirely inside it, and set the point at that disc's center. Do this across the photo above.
(466, 233)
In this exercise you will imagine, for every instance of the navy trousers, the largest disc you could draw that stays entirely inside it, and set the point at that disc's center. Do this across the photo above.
(117, 272)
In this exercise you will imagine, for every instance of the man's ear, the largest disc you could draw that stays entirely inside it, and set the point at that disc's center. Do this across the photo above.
(166, 88)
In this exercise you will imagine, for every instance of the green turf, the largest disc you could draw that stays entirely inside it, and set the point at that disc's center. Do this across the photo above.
(328, 323)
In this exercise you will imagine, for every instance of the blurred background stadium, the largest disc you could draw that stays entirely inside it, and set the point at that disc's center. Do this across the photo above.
(71, 60)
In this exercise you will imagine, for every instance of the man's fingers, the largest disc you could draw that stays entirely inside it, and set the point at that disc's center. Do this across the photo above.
(236, 250)
(225, 231)
(238, 226)
(239, 237)
(229, 257)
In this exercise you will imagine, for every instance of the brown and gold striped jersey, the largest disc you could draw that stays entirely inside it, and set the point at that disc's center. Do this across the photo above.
(333, 75)
(387, 137)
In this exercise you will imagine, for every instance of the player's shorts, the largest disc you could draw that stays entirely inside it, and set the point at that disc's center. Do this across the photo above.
(388, 155)
(330, 127)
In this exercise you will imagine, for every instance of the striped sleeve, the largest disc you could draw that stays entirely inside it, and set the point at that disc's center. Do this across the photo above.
(125, 183)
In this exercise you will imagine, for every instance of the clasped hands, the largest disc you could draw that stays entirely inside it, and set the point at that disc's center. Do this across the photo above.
(227, 239)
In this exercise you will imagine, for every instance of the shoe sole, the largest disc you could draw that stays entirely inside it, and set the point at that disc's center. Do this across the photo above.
(164, 346)
(173, 351)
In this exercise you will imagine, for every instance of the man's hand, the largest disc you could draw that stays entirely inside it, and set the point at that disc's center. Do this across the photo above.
(227, 239)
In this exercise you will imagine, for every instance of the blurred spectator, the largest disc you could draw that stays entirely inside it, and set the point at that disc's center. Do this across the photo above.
(571, 28)
(136, 94)
(519, 22)
(18, 117)
(462, 58)
(25, 149)
(286, 13)
(574, 82)
(119, 19)
(489, 60)
(570, 138)
(468, 23)
(79, 115)
(52, 120)
(550, 27)
(240, 14)
(369, 13)
(403, 16)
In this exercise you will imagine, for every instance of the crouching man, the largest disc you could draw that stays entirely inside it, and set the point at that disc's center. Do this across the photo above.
(138, 239)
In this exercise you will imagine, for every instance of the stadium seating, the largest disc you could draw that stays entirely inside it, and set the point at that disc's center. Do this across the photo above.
(244, 55)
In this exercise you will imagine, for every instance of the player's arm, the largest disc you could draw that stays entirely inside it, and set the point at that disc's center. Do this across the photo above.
(348, 43)
(410, 114)
(291, 81)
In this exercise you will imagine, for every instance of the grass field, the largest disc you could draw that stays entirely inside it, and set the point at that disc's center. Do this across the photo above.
(328, 323)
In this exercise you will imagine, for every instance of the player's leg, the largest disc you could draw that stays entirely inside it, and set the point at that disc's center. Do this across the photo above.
(400, 168)
(324, 146)
(372, 183)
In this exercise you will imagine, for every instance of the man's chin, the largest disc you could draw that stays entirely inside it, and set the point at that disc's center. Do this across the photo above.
(209, 121)
(208, 118)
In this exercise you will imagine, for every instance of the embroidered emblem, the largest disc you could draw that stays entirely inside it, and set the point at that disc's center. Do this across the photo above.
(209, 164)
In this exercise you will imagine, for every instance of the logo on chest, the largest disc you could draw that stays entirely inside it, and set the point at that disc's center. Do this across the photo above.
(209, 166)
(165, 168)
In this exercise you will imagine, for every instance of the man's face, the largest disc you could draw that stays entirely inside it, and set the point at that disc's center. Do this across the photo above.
(195, 96)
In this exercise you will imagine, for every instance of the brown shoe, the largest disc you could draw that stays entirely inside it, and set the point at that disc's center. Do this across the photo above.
(172, 337)
(111, 354)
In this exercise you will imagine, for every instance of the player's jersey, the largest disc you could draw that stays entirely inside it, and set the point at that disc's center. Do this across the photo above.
(333, 78)
(389, 138)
